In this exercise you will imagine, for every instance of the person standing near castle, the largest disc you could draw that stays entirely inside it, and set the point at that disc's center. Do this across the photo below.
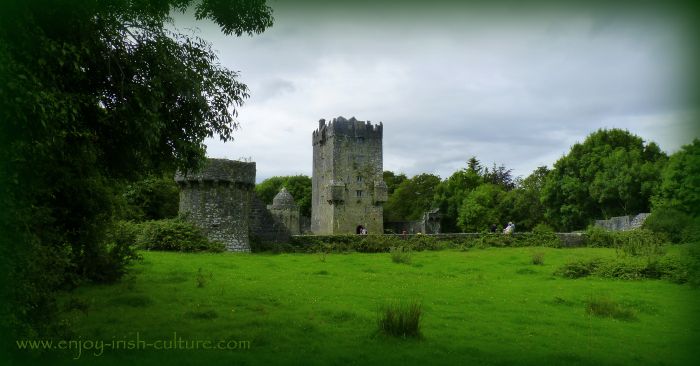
(510, 228)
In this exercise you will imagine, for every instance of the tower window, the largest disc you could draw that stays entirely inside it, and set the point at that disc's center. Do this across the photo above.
(359, 179)
(358, 193)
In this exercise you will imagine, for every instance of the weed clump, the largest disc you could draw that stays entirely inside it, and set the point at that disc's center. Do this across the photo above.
(607, 308)
(203, 278)
(400, 255)
(538, 258)
(401, 319)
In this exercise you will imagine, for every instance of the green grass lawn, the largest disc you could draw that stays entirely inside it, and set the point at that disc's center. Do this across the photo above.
(483, 306)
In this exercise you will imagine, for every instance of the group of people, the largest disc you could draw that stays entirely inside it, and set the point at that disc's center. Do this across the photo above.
(508, 229)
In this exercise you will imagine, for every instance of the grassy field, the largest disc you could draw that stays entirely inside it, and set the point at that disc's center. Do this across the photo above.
(483, 306)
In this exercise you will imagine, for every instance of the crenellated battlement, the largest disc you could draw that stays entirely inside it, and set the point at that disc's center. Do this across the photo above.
(352, 127)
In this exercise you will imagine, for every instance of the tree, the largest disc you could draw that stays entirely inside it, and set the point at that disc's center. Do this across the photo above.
(500, 176)
(95, 94)
(392, 180)
(152, 198)
(612, 173)
(299, 186)
(450, 194)
(522, 205)
(481, 208)
(412, 198)
(680, 181)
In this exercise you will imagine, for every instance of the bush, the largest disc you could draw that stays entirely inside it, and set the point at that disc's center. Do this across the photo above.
(400, 319)
(623, 268)
(597, 237)
(638, 243)
(538, 258)
(110, 263)
(607, 308)
(675, 226)
(579, 268)
(176, 235)
(401, 255)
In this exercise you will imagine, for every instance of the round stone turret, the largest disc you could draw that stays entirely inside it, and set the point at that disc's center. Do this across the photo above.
(283, 199)
(218, 200)
(285, 211)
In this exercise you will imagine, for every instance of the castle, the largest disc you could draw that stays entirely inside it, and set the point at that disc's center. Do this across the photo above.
(347, 191)
(347, 185)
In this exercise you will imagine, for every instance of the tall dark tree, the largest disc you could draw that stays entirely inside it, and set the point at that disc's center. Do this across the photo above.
(499, 175)
(611, 173)
(93, 93)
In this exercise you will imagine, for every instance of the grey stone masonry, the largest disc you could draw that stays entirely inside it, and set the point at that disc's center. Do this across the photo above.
(218, 199)
(623, 223)
(285, 211)
(347, 185)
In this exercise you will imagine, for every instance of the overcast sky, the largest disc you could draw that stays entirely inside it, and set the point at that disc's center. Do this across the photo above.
(452, 83)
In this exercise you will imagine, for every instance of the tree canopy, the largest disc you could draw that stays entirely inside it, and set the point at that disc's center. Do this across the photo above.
(611, 173)
(95, 93)
(680, 181)
(412, 198)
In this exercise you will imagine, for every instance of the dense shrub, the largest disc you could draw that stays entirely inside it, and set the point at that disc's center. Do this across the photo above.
(637, 243)
(175, 234)
(632, 242)
(578, 268)
(383, 243)
(599, 237)
(626, 269)
(400, 319)
(675, 226)
(120, 251)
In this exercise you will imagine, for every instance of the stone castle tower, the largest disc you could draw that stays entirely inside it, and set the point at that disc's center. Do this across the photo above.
(347, 185)
(218, 200)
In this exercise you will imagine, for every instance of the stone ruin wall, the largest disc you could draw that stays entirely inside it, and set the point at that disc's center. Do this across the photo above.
(218, 200)
(623, 223)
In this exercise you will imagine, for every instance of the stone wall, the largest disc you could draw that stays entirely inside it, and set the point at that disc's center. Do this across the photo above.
(218, 199)
(347, 185)
(263, 226)
(623, 223)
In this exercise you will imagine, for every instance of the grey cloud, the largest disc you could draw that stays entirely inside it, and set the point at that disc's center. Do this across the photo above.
(517, 92)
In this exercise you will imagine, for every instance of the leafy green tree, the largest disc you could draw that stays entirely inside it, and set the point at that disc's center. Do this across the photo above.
(499, 175)
(392, 180)
(152, 198)
(481, 208)
(611, 173)
(299, 186)
(680, 181)
(95, 94)
(411, 198)
(450, 194)
(522, 205)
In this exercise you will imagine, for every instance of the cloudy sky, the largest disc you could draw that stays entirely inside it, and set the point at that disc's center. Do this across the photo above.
(448, 83)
